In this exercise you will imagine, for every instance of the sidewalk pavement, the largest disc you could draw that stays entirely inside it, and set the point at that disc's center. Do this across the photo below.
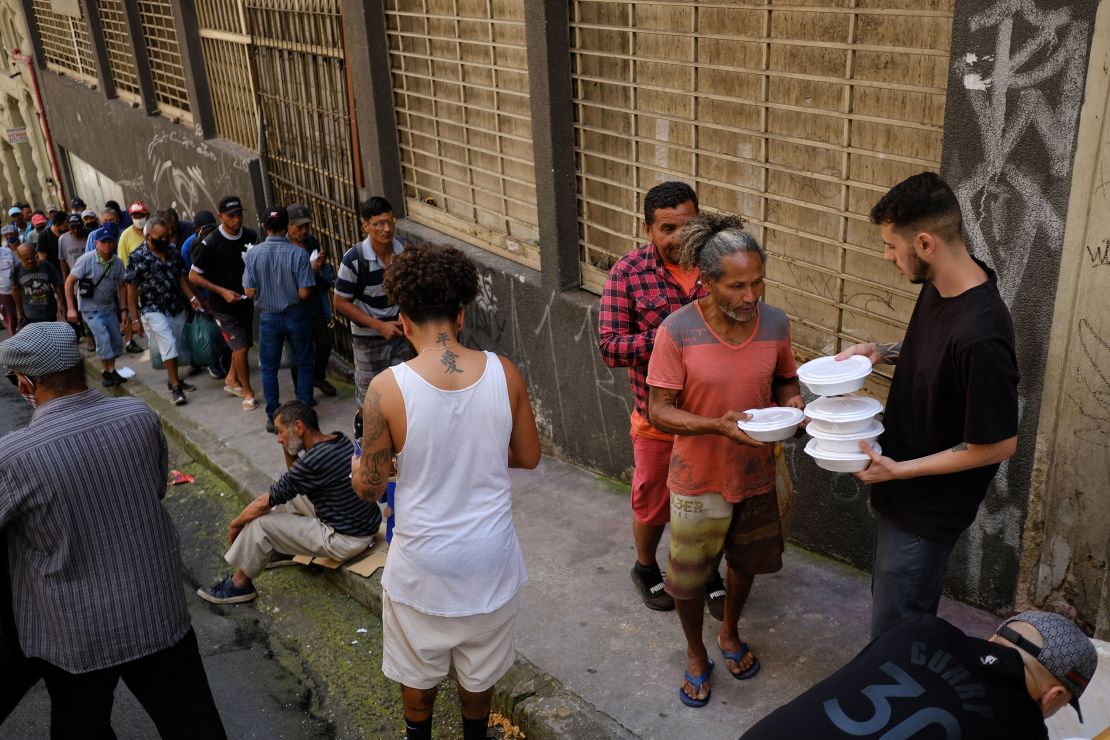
(582, 624)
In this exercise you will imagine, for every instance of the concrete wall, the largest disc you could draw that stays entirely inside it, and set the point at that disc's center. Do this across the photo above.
(1067, 534)
(163, 163)
(1015, 88)
(27, 173)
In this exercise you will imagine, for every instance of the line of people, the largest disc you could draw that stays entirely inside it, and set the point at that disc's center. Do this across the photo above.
(685, 314)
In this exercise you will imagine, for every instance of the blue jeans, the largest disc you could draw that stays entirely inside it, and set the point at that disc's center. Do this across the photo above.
(907, 577)
(295, 326)
(104, 325)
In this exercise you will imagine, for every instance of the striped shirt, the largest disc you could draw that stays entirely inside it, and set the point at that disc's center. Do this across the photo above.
(93, 553)
(276, 268)
(323, 474)
(372, 301)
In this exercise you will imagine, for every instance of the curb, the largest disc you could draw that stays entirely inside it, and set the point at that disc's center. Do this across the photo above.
(530, 698)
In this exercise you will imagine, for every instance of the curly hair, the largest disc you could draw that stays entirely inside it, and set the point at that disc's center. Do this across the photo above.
(710, 237)
(430, 283)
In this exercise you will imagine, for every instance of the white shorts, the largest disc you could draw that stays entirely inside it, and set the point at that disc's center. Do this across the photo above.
(418, 648)
(166, 331)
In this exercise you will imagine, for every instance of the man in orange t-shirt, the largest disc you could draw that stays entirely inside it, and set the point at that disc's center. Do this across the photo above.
(714, 359)
(643, 288)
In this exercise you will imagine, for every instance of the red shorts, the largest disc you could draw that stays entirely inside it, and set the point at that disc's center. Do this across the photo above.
(651, 503)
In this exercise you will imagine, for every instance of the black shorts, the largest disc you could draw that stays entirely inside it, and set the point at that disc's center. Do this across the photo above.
(237, 327)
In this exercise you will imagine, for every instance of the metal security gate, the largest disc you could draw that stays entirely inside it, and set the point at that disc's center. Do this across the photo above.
(278, 75)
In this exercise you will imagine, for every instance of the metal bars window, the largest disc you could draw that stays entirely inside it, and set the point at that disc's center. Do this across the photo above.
(121, 53)
(460, 89)
(304, 97)
(163, 49)
(226, 46)
(65, 43)
(796, 117)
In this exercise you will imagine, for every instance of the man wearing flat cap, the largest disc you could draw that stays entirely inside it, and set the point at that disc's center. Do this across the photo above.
(94, 608)
(926, 678)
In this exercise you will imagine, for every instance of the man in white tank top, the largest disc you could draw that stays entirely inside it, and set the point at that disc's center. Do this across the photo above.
(456, 419)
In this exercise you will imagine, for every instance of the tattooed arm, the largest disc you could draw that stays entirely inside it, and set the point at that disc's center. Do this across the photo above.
(370, 473)
(879, 353)
(963, 456)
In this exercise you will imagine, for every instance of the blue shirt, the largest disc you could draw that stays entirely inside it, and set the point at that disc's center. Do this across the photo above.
(276, 269)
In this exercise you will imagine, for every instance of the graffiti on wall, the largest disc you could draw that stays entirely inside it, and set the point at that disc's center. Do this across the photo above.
(1008, 211)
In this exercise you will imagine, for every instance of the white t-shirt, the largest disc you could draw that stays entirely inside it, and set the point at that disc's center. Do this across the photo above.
(454, 551)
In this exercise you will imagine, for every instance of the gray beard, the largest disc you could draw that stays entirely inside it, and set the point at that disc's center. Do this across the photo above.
(735, 316)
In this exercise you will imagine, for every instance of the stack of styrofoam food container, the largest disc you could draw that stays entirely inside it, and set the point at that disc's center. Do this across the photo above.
(840, 420)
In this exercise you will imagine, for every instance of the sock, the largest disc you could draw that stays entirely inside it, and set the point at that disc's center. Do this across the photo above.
(418, 730)
(645, 569)
(475, 729)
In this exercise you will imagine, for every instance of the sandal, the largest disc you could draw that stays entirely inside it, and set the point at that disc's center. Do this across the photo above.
(233, 390)
(696, 682)
(250, 404)
(737, 656)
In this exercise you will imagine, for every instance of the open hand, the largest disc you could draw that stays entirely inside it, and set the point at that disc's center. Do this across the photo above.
(881, 469)
(870, 350)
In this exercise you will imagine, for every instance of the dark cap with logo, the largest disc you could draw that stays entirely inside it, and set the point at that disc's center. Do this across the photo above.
(275, 218)
(204, 219)
(74, 219)
(1067, 653)
(298, 214)
(230, 205)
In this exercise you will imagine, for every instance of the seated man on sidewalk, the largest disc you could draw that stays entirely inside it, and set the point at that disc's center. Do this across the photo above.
(926, 678)
(311, 510)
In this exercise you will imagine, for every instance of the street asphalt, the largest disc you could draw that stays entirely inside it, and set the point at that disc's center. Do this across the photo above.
(256, 696)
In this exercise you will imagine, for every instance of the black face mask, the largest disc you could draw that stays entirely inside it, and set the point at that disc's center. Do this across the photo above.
(160, 244)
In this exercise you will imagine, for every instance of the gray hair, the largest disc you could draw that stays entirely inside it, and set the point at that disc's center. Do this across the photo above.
(709, 238)
(155, 221)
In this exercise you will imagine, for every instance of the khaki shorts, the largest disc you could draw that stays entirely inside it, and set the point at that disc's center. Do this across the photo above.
(749, 533)
(418, 648)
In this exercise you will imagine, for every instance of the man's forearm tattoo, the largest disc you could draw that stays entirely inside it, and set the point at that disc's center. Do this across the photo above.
(889, 351)
(375, 468)
(961, 447)
(449, 358)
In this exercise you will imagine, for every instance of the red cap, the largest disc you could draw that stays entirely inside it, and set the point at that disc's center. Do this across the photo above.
(38, 219)
(137, 207)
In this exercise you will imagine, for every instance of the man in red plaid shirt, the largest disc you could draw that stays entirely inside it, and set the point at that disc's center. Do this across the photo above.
(642, 290)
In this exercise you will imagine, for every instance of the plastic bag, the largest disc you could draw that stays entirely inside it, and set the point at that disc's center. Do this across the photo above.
(204, 340)
(184, 355)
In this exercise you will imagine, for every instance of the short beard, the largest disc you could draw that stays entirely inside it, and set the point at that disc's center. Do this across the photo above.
(920, 270)
(733, 315)
(294, 446)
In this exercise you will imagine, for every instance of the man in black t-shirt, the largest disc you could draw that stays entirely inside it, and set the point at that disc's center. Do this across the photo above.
(218, 268)
(47, 245)
(926, 679)
(952, 412)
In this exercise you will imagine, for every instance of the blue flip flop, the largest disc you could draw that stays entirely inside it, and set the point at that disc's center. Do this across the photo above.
(738, 656)
(697, 681)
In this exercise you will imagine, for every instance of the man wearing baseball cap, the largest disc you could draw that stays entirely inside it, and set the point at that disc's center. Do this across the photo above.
(15, 213)
(94, 285)
(133, 236)
(94, 556)
(278, 277)
(218, 268)
(926, 673)
(36, 227)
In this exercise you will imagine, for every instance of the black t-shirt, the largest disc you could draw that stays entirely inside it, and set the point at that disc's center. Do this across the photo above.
(37, 288)
(220, 260)
(955, 381)
(48, 245)
(925, 680)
